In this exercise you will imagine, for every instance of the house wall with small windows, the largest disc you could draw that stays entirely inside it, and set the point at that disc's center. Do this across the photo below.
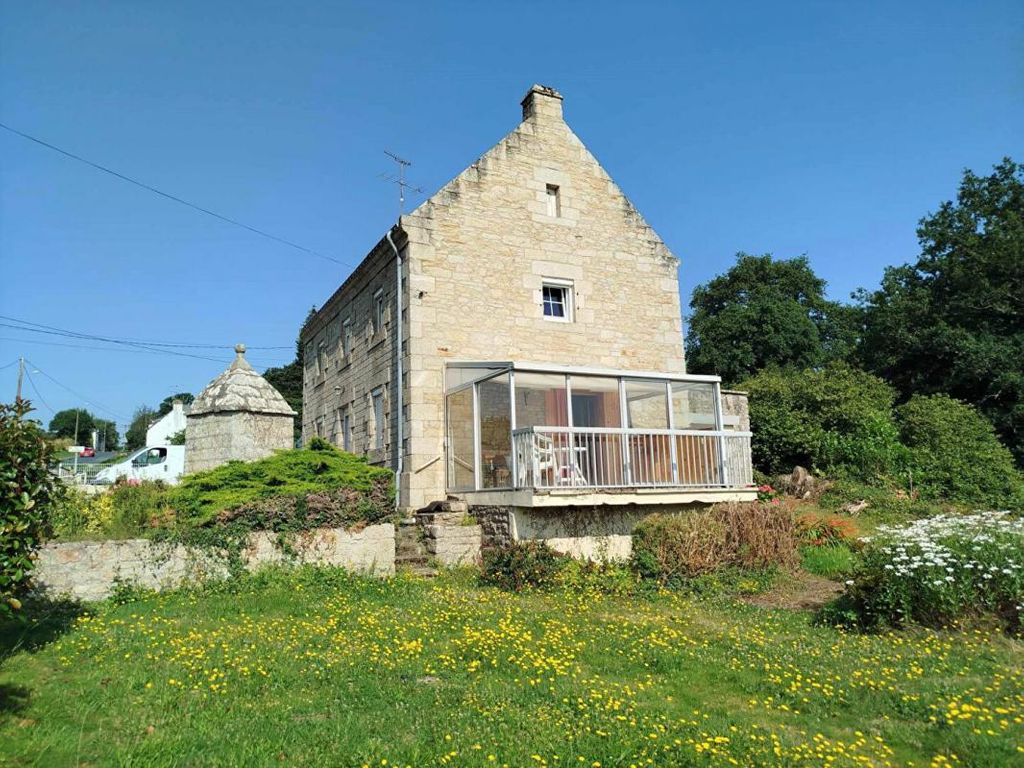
(349, 350)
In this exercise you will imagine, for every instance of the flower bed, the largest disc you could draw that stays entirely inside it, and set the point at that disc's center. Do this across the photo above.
(938, 571)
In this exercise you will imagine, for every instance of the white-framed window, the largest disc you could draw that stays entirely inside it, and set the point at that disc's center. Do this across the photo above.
(346, 429)
(321, 358)
(556, 300)
(378, 310)
(554, 201)
(346, 337)
(378, 417)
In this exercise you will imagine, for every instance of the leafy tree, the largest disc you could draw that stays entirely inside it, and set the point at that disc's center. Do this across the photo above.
(135, 437)
(837, 420)
(287, 379)
(108, 433)
(63, 423)
(766, 313)
(953, 322)
(26, 491)
(955, 454)
(167, 404)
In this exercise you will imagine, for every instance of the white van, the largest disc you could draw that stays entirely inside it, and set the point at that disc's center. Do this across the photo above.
(154, 462)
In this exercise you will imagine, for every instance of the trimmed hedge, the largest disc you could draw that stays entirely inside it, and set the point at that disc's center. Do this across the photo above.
(302, 483)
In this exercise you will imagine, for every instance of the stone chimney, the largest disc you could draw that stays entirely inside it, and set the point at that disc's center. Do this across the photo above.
(542, 103)
(177, 406)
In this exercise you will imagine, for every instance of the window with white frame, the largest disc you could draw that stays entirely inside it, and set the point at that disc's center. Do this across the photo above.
(378, 418)
(554, 201)
(556, 297)
(346, 337)
(378, 311)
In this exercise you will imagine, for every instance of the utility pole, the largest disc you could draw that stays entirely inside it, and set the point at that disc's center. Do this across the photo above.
(21, 375)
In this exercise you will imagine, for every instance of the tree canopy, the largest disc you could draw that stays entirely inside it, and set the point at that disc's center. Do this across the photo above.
(287, 379)
(135, 437)
(167, 404)
(63, 424)
(953, 321)
(766, 313)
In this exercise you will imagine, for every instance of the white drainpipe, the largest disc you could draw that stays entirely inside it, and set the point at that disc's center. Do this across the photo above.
(399, 395)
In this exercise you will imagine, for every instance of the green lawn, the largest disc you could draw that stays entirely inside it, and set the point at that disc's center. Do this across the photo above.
(316, 668)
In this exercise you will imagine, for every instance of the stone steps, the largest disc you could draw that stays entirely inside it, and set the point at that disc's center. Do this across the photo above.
(411, 554)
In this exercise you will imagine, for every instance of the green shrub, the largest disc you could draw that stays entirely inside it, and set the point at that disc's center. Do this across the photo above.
(955, 453)
(609, 578)
(67, 516)
(522, 564)
(836, 421)
(279, 486)
(27, 489)
(136, 506)
(938, 571)
(670, 547)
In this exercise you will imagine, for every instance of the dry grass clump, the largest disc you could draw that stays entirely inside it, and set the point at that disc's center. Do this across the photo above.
(686, 544)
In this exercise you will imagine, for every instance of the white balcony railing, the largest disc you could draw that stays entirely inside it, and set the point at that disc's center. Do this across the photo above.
(562, 457)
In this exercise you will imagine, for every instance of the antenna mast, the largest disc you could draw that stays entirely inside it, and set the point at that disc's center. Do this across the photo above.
(400, 180)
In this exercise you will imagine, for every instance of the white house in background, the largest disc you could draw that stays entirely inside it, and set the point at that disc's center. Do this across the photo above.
(160, 432)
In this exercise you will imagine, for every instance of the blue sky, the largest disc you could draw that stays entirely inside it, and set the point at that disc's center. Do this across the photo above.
(821, 128)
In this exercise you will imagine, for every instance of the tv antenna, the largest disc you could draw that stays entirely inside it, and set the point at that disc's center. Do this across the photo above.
(399, 179)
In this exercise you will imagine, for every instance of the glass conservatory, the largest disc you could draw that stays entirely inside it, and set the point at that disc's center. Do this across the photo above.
(518, 426)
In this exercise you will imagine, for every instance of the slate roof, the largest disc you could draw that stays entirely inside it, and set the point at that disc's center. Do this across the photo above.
(240, 388)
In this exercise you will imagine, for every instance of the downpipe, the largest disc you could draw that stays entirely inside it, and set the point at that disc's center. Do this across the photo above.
(399, 395)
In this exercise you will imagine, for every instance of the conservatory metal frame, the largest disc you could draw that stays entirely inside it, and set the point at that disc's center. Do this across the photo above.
(620, 459)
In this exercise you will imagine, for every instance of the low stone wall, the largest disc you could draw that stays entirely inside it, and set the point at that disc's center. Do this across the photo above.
(453, 544)
(449, 535)
(88, 570)
(602, 532)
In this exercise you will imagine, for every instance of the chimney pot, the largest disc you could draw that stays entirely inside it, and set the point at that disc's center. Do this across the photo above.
(542, 102)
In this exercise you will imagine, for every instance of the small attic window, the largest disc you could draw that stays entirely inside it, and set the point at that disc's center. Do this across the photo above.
(554, 200)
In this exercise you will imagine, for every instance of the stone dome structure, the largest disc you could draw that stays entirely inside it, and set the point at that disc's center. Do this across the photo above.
(239, 416)
(240, 388)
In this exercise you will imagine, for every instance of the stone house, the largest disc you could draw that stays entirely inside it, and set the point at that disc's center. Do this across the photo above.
(516, 341)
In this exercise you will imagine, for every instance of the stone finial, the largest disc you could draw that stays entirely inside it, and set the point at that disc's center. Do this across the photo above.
(240, 349)
(542, 101)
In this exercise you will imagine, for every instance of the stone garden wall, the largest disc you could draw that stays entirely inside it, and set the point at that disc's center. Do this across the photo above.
(89, 570)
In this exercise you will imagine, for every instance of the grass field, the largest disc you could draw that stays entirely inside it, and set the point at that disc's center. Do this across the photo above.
(317, 668)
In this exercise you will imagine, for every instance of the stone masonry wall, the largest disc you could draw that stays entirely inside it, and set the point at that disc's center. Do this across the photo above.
(216, 438)
(334, 383)
(592, 533)
(89, 570)
(480, 251)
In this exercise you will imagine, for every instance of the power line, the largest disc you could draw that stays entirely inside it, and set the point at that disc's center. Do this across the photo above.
(35, 389)
(79, 395)
(5, 367)
(111, 341)
(141, 341)
(176, 199)
(39, 342)
(145, 346)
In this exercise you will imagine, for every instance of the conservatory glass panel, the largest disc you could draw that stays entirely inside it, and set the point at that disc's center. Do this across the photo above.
(693, 405)
(646, 404)
(461, 441)
(540, 400)
(495, 432)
